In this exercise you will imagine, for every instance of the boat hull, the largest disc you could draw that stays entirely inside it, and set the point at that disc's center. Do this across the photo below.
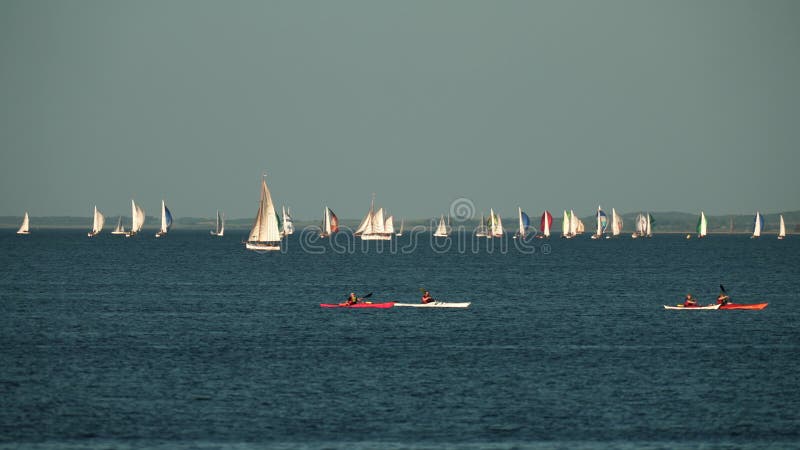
(701, 308)
(376, 237)
(744, 306)
(358, 305)
(262, 246)
(435, 305)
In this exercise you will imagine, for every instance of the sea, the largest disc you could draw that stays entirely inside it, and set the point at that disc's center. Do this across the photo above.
(191, 341)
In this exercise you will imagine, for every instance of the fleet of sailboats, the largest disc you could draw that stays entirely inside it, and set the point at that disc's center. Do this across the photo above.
(265, 234)
(219, 230)
(166, 220)
(97, 223)
(25, 228)
(643, 226)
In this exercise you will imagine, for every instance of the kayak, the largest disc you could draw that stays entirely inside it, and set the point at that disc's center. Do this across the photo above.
(357, 305)
(435, 305)
(691, 307)
(744, 306)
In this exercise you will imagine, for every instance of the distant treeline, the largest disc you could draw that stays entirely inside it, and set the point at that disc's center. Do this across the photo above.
(667, 222)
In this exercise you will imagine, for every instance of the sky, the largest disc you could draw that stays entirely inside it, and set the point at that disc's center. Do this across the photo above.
(677, 105)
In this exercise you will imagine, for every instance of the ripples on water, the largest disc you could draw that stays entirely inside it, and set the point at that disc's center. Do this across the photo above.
(193, 341)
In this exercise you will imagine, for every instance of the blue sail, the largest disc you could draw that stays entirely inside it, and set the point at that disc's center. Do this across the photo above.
(603, 220)
(526, 221)
(168, 216)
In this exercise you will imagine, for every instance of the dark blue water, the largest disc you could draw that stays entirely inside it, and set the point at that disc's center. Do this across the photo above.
(192, 341)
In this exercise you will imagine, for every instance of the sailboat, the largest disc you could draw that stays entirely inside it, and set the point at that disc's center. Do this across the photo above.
(758, 225)
(565, 226)
(524, 223)
(330, 223)
(441, 230)
(373, 226)
(641, 226)
(137, 219)
(602, 223)
(25, 228)
(781, 228)
(265, 235)
(288, 224)
(545, 224)
(219, 230)
(482, 230)
(702, 226)
(400, 233)
(97, 223)
(166, 220)
(495, 225)
(616, 224)
(119, 228)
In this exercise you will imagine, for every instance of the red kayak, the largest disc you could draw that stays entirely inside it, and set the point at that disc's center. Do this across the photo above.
(744, 306)
(357, 305)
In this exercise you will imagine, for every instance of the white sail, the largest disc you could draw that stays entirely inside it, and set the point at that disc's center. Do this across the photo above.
(648, 230)
(565, 225)
(326, 222)
(573, 223)
(702, 225)
(288, 224)
(599, 219)
(616, 223)
(137, 218)
(481, 230)
(366, 224)
(781, 229)
(400, 233)
(219, 230)
(265, 234)
(546, 225)
(757, 223)
(97, 222)
(496, 229)
(119, 228)
(441, 229)
(25, 228)
(388, 226)
(377, 222)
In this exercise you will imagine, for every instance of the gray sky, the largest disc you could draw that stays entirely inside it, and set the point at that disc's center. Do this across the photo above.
(658, 105)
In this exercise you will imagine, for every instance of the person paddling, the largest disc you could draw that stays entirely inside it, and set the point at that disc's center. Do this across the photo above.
(723, 299)
(352, 300)
(426, 298)
(690, 301)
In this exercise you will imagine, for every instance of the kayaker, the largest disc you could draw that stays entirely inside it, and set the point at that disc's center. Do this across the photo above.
(690, 301)
(426, 298)
(723, 299)
(352, 300)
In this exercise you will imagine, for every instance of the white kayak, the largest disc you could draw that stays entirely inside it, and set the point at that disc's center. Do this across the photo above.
(692, 307)
(435, 305)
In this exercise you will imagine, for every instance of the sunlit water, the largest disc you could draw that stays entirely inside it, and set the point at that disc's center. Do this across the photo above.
(192, 341)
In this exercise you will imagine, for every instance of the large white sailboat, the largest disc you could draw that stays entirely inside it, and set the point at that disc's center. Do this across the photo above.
(781, 229)
(137, 219)
(330, 223)
(265, 234)
(288, 224)
(219, 230)
(523, 223)
(441, 230)
(758, 225)
(166, 220)
(373, 227)
(25, 228)
(119, 229)
(98, 221)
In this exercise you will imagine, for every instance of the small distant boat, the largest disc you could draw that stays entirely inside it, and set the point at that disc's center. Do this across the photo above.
(782, 229)
(400, 233)
(524, 223)
(265, 234)
(288, 223)
(758, 225)
(602, 223)
(330, 223)
(373, 226)
(441, 230)
(119, 228)
(98, 221)
(495, 229)
(137, 219)
(219, 230)
(482, 230)
(25, 228)
(545, 223)
(689, 308)
(166, 220)
(436, 304)
(702, 226)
